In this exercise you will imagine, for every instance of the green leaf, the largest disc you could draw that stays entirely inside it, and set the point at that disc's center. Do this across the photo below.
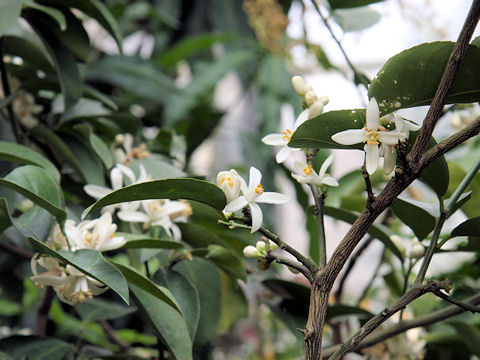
(35, 347)
(91, 263)
(456, 175)
(157, 167)
(205, 277)
(185, 294)
(36, 184)
(188, 189)
(198, 236)
(5, 221)
(397, 83)
(374, 230)
(135, 241)
(343, 4)
(470, 227)
(9, 13)
(50, 11)
(356, 19)
(20, 154)
(36, 222)
(168, 324)
(234, 303)
(225, 260)
(416, 218)
(64, 60)
(98, 309)
(97, 145)
(29, 51)
(135, 278)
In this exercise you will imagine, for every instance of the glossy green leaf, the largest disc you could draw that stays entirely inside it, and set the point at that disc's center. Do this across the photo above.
(205, 277)
(50, 11)
(168, 324)
(158, 168)
(75, 37)
(35, 222)
(98, 309)
(22, 155)
(198, 236)
(135, 241)
(396, 85)
(234, 304)
(9, 13)
(35, 347)
(64, 60)
(29, 51)
(416, 218)
(135, 278)
(94, 94)
(343, 4)
(225, 259)
(98, 146)
(188, 189)
(374, 230)
(4, 215)
(36, 184)
(91, 263)
(185, 294)
(470, 227)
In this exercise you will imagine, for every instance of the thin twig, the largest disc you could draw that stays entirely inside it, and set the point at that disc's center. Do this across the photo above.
(43, 310)
(372, 279)
(24, 254)
(465, 306)
(368, 187)
(294, 265)
(124, 347)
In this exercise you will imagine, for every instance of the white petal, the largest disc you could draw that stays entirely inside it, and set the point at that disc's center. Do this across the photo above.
(391, 137)
(373, 114)
(330, 181)
(96, 191)
(112, 244)
(301, 179)
(301, 118)
(349, 137)
(143, 176)
(411, 126)
(389, 159)
(254, 179)
(371, 157)
(237, 204)
(274, 140)
(116, 178)
(103, 228)
(127, 172)
(133, 216)
(300, 165)
(283, 154)
(257, 216)
(128, 142)
(272, 198)
(325, 165)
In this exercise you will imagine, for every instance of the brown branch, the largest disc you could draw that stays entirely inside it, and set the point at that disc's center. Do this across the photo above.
(403, 326)
(368, 186)
(124, 347)
(465, 306)
(43, 310)
(414, 293)
(294, 265)
(446, 83)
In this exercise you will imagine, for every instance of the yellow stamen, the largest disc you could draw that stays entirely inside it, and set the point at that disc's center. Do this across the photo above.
(371, 137)
(228, 180)
(308, 170)
(287, 135)
(259, 189)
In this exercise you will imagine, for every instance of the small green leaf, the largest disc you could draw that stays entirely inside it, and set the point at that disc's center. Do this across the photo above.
(470, 227)
(168, 324)
(97, 144)
(344, 4)
(396, 85)
(374, 230)
(185, 294)
(29, 51)
(9, 13)
(20, 154)
(5, 221)
(135, 278)
(97, 309)
(35, 347)
(225, 260)
(188, 189)
(50, 11)
(416, 218)
(36, 184)
(91, 263)
(198, 236)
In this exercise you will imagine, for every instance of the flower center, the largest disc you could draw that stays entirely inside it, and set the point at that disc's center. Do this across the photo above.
(287, 135)
(371, 137)
(228, 180)
(308, 170)
(259, 189)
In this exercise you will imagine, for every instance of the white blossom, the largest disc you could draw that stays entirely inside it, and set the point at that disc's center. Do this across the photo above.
(230, 183)
(309, 176)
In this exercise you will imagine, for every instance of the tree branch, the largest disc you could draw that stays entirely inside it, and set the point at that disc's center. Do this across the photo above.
(465, 306)
(43, 310)
(294, 265)
(403, 326)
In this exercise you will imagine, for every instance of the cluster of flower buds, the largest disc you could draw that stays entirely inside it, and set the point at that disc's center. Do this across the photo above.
(310, 99)
(260, 249)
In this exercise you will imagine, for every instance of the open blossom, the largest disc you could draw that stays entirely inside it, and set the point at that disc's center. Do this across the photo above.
(253, 194)
(309, 176)
(230, 183)
(125, 152)
(372, 135)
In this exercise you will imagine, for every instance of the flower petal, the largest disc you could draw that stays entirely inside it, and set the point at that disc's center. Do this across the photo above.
(349, 137)
(116, 178)
(390, 137)
(300, 165)
(274, 140)
(257, 216)
(371, 158)
(373, 114)
(237, 204)
(283, 154)
(112, 244)
(330, 181)
(301, 118)
(389, 159)
(326, 164)
(254, 179)
(133, 216)
(96, 191)
(272, 198)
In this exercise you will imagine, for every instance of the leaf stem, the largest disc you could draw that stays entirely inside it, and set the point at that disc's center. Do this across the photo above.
(319, 216)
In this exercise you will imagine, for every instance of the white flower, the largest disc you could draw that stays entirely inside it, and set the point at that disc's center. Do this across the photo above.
(372, 135)
(298, 85)
(125, 153)
(230, 183)
(157, 212)
(309, 176)
(251, 252)
(252, 195)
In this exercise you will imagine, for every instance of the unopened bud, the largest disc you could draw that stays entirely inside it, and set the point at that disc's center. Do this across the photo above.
(416, 250)
(307, 88)
(261, 246)
(310, 98)
(397, 241)
(119, 139)
(325, 100)
(316, 109)
(298, 85)
(293, 270)
(251, 252)
(273, 246)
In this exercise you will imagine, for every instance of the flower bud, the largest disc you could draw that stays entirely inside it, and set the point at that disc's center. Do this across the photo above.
(397, 241)
(119, 139)
(310, 98)
(416, 250)
(229, 182)
(307, 88)
(298, 85)
(261, 246)
(325, 100)
(316, 109)
(292, 270)
(273, 246)
(251, 252)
